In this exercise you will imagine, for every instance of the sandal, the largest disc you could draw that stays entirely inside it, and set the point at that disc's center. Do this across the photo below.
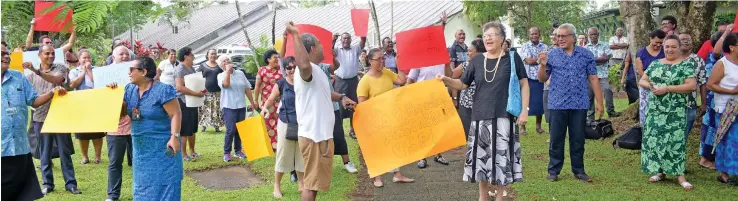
(655, 178)
(687, 186)
(85, 161)
(711, 167)
(540, 130)
(404, 180)
(97, 161)
(378, 183)
(494, 193)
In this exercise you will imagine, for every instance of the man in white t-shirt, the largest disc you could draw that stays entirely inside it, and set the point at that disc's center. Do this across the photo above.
(619, 46)
(314, 104)
(427, 73)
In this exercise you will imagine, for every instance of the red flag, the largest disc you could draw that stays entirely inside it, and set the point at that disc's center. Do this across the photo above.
(705, 50)
(360, 19)
(735, 22)
(48, 21)
(421, 47)
(324, 36)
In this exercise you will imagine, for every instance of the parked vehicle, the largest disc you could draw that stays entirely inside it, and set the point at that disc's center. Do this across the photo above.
(237, 59)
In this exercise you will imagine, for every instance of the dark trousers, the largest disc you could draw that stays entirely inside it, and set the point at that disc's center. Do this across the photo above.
(347, 86)
(117, 146)
(19, 181)
(574, 121)
(46, 142)
(631, 88)
(231, 117)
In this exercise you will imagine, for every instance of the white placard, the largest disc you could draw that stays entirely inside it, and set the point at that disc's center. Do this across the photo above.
(117, 73)
(194, 82)
(32, 56)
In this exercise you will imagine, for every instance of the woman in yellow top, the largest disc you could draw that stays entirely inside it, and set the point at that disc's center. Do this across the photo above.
(375, 82)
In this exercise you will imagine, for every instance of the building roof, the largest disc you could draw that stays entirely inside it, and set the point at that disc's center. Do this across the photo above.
(201, 23)
(337, 19)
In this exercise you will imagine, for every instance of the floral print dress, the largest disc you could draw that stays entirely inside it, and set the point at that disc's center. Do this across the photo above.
(664, 143)
(269, 78)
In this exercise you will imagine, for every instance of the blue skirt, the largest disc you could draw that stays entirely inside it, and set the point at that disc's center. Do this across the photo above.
(536, 98)
(726, 153)
(156, 176)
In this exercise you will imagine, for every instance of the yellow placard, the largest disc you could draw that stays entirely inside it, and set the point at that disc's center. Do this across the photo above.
(405, 125)
(85, 111)
(16, 61)
(254, 138)
(278, 44)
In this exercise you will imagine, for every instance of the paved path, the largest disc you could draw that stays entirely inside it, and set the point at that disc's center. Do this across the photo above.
(435, 182)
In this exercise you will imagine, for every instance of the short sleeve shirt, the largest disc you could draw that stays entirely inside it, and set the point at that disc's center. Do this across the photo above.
(619, 53)
(17, 95)
(531, 50)
(180, 72)
(597, 51)
(349, 60)
(167, 72)
(371, 87)
(458, 52)
(86, 82)
(313, 102)
(646, 58)
(42, 86)
(233, 96)
(492, 83)
(569, 76)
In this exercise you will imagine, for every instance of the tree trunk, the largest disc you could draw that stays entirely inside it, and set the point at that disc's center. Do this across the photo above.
(248, 40)
(637, 18)
(376, 24)
(274, 23)
(699, 21)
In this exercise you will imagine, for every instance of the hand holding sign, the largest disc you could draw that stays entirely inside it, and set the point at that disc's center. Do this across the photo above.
(360, 20)
(421, 47)
(323, 35)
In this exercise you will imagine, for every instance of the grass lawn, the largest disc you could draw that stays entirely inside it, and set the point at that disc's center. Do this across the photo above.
(616, 172)
(92, 178)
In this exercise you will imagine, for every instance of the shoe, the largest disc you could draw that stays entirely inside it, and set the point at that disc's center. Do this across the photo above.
(203, 129)
(46, 190)
(240, 155)
(293, 177)
(441, 160)
(187, 158)
(74, 190)
(583, 177)
(352, 134)
(227, 157)
(422, 164)
(196, 155)
(350, 167)
(552, 178)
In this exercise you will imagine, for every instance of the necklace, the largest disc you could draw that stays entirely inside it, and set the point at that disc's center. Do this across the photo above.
(493, 71)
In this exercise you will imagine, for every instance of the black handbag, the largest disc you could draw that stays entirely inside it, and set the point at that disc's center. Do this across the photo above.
(598, 129)
(631, 139)
(291, 132)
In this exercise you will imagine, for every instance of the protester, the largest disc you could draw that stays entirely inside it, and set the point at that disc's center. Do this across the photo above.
(670, 81)
(467, 95)
(582, 40)
(346, 77)
(165, 71)
(628, 79)
(668, 24)
(235, 88)
(120, 142)
(458, 50)
(701, 80)
(376, 82)
(489, 115)
(709, 122)
(507, 45)
(155, 114)
(210, 113)
(288, 157)
(602, 54)
(390, 56)
(529, 53)
(19, 177)
(117, 43)
(44, 79)
(266, 79)
(189, 114)
(428, 73)
(80, 78)
(570, 68)
(46, 40)
(723, 83)
(619, 47)
(362, 64)
(653, 51)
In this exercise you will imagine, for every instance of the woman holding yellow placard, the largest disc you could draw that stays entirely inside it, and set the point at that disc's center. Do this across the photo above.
(80, 78)
(375, 82)
(493, 150)
(288, 157)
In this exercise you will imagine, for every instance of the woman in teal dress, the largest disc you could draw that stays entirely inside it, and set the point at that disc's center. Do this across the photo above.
(155, 125)
(724, 84)
(670, 80)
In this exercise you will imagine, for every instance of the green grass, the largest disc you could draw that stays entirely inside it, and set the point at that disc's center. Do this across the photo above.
(92, 178)
(616, 172)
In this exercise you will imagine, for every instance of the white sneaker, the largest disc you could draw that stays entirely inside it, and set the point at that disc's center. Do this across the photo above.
(350, 167)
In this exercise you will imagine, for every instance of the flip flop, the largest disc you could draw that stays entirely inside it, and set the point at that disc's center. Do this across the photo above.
(687, 186)
(655, 178)
(540, 130)
(378, 184)
(708, 167)
(406, 180)
(85, 161)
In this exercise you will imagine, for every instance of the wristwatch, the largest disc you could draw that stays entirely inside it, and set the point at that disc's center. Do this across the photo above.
(176, 135)
(342, 96)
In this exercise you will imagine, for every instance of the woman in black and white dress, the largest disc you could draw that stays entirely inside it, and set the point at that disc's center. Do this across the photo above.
(493, 148)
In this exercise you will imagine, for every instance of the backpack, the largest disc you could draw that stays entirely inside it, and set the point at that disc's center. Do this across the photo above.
(598, 129)
(631, 139)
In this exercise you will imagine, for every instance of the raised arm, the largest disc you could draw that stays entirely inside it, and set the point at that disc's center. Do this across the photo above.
(362, 43)
(29, 38)
(284, 45)
(718, 50)
(301, 55)
(71, 41)
(401, 78)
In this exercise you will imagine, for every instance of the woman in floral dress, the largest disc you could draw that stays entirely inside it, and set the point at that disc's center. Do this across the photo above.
(266, 80)
(669, 81)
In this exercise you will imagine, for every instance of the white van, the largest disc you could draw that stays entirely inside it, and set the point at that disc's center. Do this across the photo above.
(234, 49)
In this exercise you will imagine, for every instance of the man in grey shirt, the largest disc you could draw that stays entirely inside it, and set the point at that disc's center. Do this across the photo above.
(346, 76)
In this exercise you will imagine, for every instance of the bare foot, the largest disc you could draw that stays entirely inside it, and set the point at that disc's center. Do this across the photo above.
(378, 183)
(277, 195)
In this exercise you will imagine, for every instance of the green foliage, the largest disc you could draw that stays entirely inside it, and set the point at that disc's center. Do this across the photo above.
(178, 13)
(16, 18)
(615, 73)
(526, 14)
(251, 66)
(315, 3)
(726, 18)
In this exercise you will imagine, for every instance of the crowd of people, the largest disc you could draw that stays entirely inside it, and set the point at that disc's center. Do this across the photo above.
(565, 82)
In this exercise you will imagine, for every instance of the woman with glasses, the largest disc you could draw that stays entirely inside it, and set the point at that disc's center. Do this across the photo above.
(493, 148)
(266, 79)
(80, 78)
(288, 156)
(235, 88)
(210, 113)
(155, 114)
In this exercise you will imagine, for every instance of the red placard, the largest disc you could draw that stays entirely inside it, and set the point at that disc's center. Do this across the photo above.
(735, 22)
(324, 36)
(48, 21)
(421, 47)
(360, 19)
(705, 50)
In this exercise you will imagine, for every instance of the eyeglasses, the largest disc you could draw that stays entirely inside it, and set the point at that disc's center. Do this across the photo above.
(564, 35)
(486, 36)
(380, 59)
(131, 69)
(289, 67)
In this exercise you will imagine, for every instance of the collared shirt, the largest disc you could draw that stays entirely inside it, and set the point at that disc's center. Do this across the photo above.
(458, 52)
(167, 72)
(569, 89)
(17, 95)
(327, 70)
(619, 53)
(426, 73)
(349, 60)
(701, 76)
(86, 82)
(530, 50)
(233, 96)
(42, 86)
(313, 101)
(597, 51)
(390, 61)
